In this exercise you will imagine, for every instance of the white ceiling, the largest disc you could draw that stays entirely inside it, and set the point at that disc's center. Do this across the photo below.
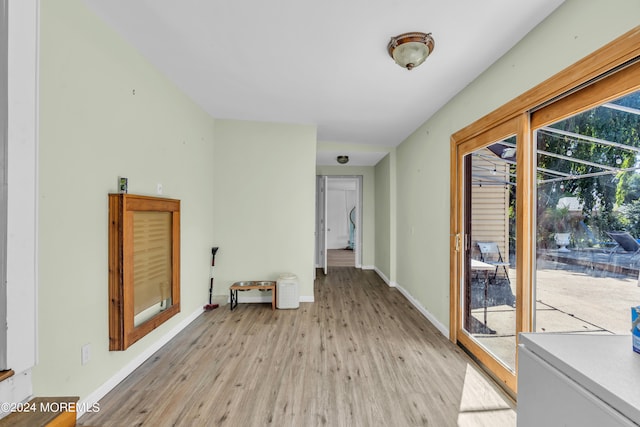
(321, 62)
(356, 158)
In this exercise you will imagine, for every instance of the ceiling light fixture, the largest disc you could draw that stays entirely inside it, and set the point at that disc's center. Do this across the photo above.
(342, 159)
(410, 49)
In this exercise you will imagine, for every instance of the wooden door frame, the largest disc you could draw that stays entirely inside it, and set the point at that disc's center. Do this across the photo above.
(616, 54)
(459, 205)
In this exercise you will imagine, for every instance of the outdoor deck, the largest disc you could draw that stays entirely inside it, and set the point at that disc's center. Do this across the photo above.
(599, 260)
(580, 291)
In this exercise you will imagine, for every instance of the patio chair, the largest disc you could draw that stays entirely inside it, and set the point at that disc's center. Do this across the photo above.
(490, 253)
(624, 241)
(592, 240)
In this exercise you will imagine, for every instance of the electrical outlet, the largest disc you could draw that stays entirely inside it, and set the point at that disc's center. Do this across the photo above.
(85, 353)
(159, 189)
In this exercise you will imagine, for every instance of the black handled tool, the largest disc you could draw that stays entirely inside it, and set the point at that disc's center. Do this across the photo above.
(211, 306)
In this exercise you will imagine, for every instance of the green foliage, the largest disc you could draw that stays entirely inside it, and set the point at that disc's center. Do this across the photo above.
(603, 222)
(628, 188)
(555, 220)
(629, 218)
(599, 191)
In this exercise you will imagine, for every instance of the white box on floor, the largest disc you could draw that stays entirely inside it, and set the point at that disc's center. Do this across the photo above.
(287, 291)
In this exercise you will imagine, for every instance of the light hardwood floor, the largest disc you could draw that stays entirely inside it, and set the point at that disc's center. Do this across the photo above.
(361, 355)
(341, 258)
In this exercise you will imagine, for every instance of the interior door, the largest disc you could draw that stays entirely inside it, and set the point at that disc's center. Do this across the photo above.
(3, 183)
(322, 221)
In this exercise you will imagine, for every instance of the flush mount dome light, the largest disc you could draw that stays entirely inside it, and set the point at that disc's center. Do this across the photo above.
(342, 159)
(410, 49)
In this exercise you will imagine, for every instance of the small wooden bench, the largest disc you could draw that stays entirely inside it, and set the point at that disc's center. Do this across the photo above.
(233, 292)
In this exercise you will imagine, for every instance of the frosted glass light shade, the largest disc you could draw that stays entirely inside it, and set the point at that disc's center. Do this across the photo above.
(410, 49)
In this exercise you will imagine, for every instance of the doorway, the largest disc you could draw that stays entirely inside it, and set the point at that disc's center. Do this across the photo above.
(338, 219)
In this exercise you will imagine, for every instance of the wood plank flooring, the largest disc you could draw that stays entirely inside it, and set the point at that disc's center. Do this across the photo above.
(341, 258)
(361, 355)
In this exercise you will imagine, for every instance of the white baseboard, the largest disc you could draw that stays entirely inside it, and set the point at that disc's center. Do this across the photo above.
(368, 267)
(430, 317)
(385, 278)
(307, 298)
(93, 398)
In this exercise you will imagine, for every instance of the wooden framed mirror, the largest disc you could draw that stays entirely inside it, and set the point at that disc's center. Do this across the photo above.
(144, 266)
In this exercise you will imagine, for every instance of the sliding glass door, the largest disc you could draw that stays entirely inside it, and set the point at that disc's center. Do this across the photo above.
(487, 195)
(546, 219)
(588, 209)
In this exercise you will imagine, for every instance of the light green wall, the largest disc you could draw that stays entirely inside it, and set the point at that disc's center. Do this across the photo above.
(105, 112)
(368, 205)
(575, 29)
(94, 128)
(382, 179)
(264, 192)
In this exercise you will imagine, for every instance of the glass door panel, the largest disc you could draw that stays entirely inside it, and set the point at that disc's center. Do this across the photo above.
(488, 294)
(588, 220)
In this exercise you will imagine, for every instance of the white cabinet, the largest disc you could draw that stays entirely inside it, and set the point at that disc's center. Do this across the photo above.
(578, 380)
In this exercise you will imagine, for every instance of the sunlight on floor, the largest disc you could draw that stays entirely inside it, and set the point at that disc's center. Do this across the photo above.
(482, 405)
